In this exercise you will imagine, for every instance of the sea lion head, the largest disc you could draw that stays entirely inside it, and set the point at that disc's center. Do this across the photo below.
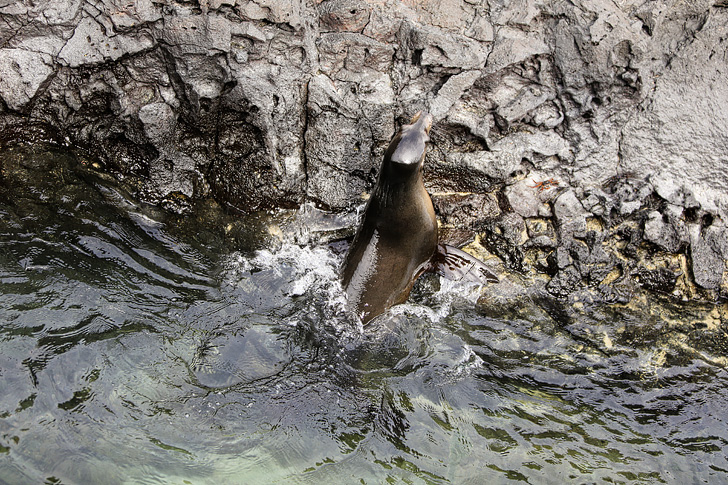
(408, 147)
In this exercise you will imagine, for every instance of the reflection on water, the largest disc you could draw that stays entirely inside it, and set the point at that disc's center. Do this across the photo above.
(136, 347)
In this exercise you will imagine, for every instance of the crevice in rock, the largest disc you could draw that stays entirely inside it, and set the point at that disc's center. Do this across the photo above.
(304, 135)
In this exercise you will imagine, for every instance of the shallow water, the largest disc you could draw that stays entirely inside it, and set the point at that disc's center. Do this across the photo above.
(137, 347)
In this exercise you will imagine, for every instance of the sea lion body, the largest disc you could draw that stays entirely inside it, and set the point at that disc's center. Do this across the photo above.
(397, 237)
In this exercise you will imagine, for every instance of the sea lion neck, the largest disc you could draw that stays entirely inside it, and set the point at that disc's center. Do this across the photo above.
(395, 172)
(400, 177)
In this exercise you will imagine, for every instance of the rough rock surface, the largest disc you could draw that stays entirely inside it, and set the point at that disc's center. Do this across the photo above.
(586, 139)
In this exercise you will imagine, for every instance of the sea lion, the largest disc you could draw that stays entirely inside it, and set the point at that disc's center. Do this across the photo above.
(397, 239)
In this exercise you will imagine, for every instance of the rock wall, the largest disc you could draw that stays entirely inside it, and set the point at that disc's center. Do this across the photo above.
(586, 139)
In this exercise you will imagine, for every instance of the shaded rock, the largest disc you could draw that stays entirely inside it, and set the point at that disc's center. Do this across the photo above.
(660, 279)
(339, 146)
(542, 242)
(334, 183)
(512, 227)
(242, 175)
(200, 80)
(598, 202)
(541, 233)
(173, 172)
(564, 283)
(504, 237)
(159, 123)
(709, 253)
(540, 227)
(465, 209)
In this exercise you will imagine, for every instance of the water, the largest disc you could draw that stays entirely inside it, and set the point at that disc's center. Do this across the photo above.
(139, 347)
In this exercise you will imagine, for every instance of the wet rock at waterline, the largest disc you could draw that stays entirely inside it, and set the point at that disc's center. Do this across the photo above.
(589, 128)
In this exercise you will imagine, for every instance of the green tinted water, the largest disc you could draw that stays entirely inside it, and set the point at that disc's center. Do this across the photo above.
(136, 347)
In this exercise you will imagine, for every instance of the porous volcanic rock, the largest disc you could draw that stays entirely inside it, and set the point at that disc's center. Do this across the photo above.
(593, 128)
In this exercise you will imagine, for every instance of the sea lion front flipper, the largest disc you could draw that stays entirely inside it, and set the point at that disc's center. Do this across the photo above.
(457, 265)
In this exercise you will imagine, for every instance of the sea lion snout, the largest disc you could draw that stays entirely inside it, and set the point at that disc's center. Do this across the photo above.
(422, 120)
(408, 147)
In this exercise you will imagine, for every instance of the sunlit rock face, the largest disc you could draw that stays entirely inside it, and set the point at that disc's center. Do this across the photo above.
(593, 124)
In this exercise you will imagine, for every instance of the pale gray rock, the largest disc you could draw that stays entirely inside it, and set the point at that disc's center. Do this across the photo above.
(513, 46)
(428, 46)
(55, 12)
(48, 44)
(667, 232)
(92, 43)
(529, 199)
(22, 73)
(125, 16)
(682, 128)
(570, 215)
(159, 123)
(518, 13)
(494, 164)
(709, 253)
(451, 91)
(347, 55)
(197, 34)
(507, 154)
(288, 12)
(249, 30)
(562, 258)
(383, 24)
(480, 28)
(628, 207)
(343, 15)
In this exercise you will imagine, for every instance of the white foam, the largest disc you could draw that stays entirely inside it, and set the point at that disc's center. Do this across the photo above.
(307, 270)
(313, 272)
(440, 306)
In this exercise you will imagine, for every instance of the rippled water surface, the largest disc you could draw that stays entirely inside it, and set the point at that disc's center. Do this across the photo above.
(138, 347)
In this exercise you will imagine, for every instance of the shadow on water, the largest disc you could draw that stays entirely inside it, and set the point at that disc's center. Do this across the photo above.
(142, 347)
